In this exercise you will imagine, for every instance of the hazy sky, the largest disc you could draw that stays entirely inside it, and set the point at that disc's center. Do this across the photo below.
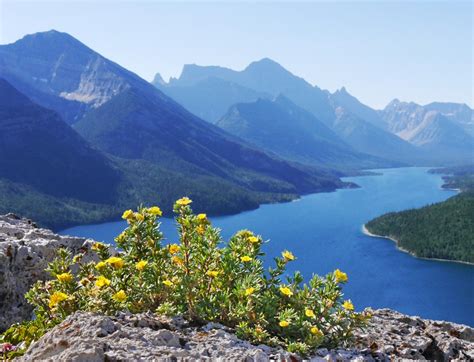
(412, 50)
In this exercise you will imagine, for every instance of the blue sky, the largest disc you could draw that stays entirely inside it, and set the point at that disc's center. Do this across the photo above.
(419, 51)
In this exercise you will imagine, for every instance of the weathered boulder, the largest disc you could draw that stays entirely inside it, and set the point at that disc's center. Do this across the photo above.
(25, 251)
(407, 337)
(92, 337)
(126, 337)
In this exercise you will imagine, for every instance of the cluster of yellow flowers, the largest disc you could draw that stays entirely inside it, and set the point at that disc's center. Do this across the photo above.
(340, 276)
(56, 298)
(65, 277)
(130, 216)
(197, 277)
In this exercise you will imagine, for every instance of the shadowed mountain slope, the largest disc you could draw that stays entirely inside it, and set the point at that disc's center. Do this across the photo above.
(291, 132)
(37, 148)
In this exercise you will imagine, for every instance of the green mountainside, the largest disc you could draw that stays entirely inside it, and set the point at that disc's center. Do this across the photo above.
(85, 138)
(443, 230)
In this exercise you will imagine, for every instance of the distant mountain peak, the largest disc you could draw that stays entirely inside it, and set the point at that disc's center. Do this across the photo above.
(265, 62)
(343, 93)
(158, 80)
(343, 90)
(281, 98)
(265, 65)
(51, 38)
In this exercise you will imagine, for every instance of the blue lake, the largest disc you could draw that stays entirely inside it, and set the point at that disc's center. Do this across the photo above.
(324, 232)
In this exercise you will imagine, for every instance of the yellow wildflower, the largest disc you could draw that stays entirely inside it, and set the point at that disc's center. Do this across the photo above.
(202, 217)
(173, 248)
(115, 261)
(120, 296)
(120, 237)
(64, 277)
(127, 215)
(249, 291)
(57, 298)
(286, 291)
(347, 305)
(253, 239)
(102, 281)
(97, 246)
(212, 273)
(177, 260)
(183, 201)
(246, 258)
(200, 230)
(77, 258)
(168, 283)
(288, 256)
(284, 324)
(315, 331)
(155, 210)
(100, 265)
(340, 276)
(141, 265)
(309, 313)
(139, 217)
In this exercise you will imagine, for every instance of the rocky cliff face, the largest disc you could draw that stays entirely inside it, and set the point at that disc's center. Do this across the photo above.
(26, 249)
(389, 335)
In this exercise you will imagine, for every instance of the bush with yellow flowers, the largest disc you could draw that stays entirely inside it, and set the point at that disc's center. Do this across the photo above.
(198, 277)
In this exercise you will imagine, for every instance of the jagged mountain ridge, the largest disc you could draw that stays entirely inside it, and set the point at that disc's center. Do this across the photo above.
(263, 76)
(289, 131)
(209, 98)
(141, 122)
(58, 71)
(382, 136)
(366, 137)
(342, 98)
(405, 116)
(443, 129)
(270, 77)
(161, 150)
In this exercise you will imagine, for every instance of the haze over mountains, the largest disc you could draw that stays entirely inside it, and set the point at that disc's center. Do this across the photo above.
(387, 133)
(88, 138)
(160, 150)
(289, 131)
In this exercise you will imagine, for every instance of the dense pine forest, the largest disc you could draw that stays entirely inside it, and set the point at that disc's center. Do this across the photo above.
(444, 230)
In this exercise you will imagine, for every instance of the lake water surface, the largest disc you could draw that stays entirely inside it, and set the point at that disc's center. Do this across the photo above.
(324, 232)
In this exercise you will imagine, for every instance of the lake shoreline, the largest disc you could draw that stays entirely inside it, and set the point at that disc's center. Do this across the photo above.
(365, 231)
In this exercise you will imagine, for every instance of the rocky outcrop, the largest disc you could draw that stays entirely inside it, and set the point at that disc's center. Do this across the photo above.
(25, 251)
(397, 335)
(389, 335)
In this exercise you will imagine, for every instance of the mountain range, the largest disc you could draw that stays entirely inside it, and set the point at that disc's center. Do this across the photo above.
(388, 133)
(84, 138)
(281, 127)
(158, 149)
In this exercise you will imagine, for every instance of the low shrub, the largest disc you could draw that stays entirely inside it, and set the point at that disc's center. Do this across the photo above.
(199, 277)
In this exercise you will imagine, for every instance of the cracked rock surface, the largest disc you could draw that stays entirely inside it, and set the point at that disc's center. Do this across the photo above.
(126, 337)
(25, 251)
(400, 336)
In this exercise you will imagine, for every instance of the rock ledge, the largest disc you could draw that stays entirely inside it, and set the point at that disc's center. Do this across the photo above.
(92, 337)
